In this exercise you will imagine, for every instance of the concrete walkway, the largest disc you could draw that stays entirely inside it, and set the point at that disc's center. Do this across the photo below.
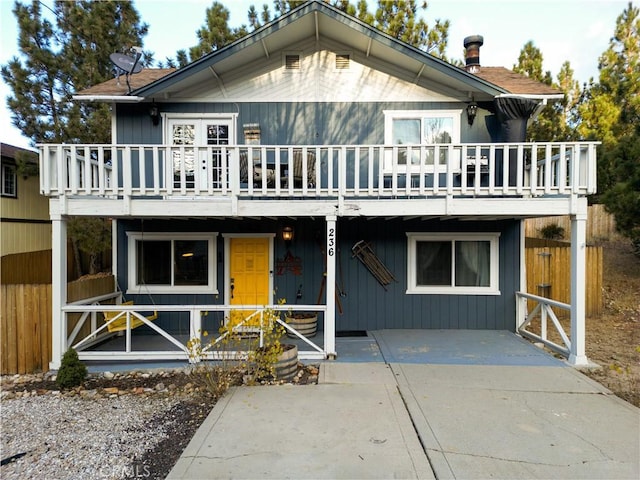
(353, 424)
(511, 413)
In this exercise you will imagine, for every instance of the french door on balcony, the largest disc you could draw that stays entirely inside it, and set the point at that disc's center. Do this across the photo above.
(199, 132)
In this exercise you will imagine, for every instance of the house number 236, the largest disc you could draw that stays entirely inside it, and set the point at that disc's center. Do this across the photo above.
(331, 242)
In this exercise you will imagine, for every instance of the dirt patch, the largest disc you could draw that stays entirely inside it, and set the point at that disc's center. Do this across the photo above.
(613, 338)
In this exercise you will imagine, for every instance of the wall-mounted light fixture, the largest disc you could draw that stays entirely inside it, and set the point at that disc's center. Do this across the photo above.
(287, 235)
(154, 113)
(472, 111)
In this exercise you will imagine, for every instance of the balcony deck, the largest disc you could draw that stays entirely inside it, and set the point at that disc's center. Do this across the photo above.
(344, 180)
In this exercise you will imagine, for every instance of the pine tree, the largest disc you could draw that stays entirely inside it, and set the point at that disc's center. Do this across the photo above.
(612, 109)
(556, 121)
(215, 33)
(60, 57)
(399, 18)
(612, 114)
(530, 64)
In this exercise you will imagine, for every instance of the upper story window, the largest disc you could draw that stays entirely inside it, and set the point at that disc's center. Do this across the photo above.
(171, 262)
(422, 127)
(9, 181)
(453, 263)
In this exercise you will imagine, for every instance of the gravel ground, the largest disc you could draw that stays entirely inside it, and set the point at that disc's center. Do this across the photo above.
(72, 438)
(115, 426)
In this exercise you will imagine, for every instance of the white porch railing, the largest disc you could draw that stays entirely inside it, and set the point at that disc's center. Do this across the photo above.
(351, 171)
(542, 312)
(93, 311)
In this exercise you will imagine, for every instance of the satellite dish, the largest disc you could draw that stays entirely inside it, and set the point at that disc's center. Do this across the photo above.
(126, 63)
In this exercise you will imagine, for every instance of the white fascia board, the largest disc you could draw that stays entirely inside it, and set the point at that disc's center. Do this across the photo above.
(108, 98)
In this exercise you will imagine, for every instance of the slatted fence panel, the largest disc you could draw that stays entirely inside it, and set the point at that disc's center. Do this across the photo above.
(549, 275)
(26, 328)
(25, 321)
(601, 225)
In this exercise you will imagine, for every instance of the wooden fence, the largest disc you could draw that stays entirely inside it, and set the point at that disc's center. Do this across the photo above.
(600, 225)
(25, 321)
(35, 267)
(548, 275)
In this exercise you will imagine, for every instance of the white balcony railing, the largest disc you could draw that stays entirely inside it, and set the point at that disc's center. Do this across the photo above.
(351, 171)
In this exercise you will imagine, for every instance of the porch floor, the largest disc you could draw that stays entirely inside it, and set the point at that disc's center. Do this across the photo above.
(437, 347)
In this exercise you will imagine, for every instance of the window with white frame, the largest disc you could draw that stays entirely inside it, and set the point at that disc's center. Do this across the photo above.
(9, 181)
(171, 262)
(453, 263)
(434, 128)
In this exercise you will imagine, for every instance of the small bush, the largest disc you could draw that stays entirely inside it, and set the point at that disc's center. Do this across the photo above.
(72, 371)
(553, 231)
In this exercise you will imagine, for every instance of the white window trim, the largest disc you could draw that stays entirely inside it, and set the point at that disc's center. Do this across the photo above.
(391, 115)
(135, 289)
(492, 289)
(10, 170)
(168, 116)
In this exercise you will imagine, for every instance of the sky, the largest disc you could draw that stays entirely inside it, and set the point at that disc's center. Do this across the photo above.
(573, 30)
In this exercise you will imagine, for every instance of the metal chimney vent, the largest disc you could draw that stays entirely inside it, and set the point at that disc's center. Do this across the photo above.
(472, 46)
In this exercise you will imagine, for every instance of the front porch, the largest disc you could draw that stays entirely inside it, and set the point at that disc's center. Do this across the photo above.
(150, 343)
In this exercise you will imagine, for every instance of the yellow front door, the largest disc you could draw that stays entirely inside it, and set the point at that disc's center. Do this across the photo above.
(248, 276)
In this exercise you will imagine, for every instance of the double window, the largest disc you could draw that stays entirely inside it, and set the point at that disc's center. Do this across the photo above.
(171, 262)
(405, 128)
(453, 263)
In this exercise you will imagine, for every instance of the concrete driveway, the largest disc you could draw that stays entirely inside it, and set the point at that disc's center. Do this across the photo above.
(497, 408)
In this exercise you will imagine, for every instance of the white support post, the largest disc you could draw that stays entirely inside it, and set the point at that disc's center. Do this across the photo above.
(58, 290)
(577, 354)
(521, 303)
(330, 315)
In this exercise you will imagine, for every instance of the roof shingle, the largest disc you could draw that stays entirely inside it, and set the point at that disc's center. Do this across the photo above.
(118, 85)
(513, 82)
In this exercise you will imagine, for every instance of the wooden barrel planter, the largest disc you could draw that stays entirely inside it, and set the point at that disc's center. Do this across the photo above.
(304, 322)
(287, 365)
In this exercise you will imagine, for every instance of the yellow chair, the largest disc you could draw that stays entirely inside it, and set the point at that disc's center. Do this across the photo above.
(120, 323)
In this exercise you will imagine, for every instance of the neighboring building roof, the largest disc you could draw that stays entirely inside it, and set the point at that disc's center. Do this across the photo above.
(515, 83)
(118, 85)
(11, 151)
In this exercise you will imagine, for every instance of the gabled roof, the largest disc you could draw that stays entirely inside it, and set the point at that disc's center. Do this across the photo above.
(318, 20)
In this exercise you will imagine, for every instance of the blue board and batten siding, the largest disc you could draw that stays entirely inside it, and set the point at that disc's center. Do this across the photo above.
(366, 305)
(291, 123)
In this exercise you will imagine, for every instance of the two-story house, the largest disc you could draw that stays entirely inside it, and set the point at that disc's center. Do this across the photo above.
(324, 162)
